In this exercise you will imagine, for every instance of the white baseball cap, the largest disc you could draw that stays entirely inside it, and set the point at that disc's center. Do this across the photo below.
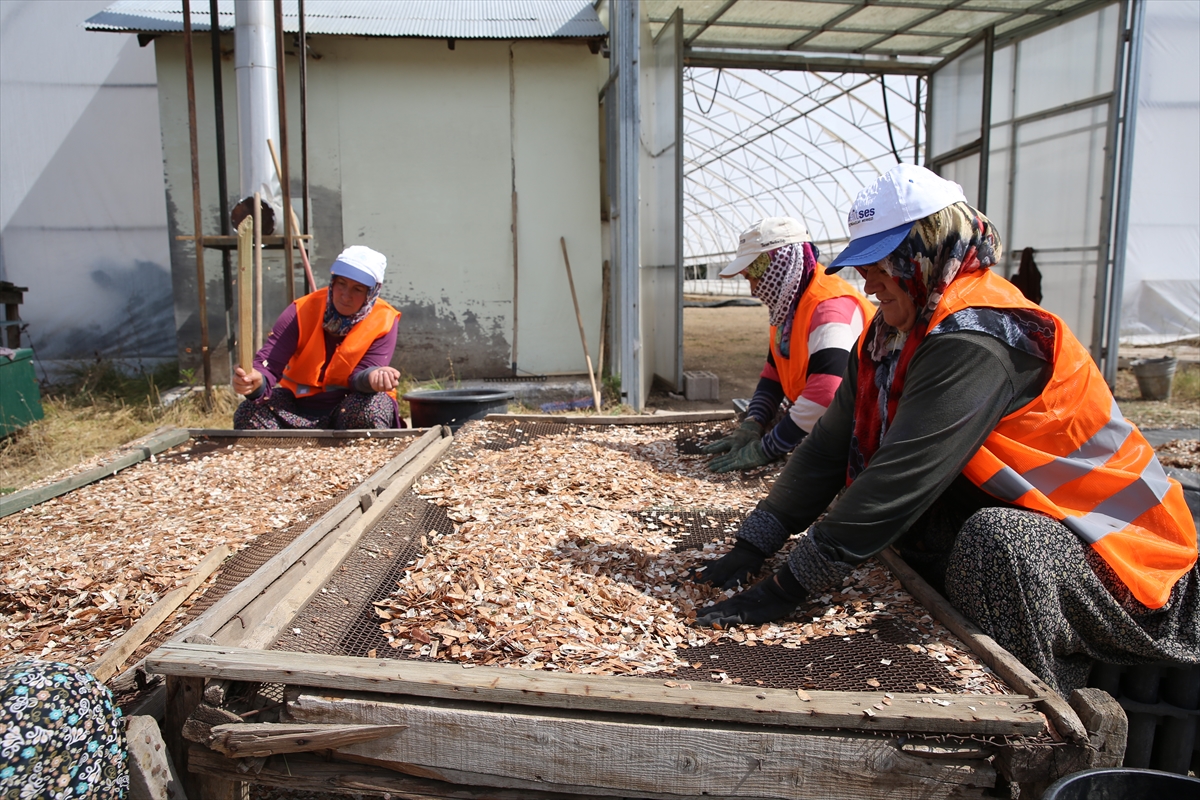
(362, 264)
(766, 234)
(884, 212)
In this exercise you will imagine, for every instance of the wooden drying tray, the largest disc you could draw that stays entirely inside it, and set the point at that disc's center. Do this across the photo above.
(141, 449)
(424, 730)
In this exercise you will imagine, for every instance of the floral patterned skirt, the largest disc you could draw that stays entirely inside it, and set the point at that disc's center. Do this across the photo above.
(60, 735)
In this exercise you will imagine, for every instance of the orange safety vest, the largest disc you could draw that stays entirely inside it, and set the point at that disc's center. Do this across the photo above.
(793, 371)
(302, 375)
(1071, 454)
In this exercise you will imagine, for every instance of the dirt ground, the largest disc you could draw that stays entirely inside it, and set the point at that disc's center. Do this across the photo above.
(730, 341)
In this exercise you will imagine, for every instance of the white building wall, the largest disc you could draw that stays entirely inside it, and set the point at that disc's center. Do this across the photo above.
(411, 152)
(82, 220)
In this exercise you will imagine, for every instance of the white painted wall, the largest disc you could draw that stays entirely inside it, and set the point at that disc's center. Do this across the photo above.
(414, 150)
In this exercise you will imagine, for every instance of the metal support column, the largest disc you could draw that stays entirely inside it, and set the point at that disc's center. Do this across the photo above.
(626, 58)
(1104, 285)
(985, 119)
(1125, 170)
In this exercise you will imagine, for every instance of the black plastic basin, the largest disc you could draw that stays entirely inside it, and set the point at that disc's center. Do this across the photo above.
(454, 407)
(1123, 784)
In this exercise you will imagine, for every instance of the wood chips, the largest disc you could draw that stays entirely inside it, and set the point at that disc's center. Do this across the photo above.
(77, 571)
(551, 567)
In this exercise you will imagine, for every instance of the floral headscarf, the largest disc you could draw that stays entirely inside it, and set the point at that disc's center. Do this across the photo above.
(781, 284)
(956, 241)
(339, 325)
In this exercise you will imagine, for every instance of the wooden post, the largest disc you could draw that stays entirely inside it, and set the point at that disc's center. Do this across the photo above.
(183, 695)
(245, 283)
(258, 273)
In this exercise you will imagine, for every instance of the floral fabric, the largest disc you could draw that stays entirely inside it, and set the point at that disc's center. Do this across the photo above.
(61, 737)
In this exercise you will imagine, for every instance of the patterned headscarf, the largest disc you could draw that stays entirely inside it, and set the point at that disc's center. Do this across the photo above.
(339, 325)
(956, 241)
(787, 274)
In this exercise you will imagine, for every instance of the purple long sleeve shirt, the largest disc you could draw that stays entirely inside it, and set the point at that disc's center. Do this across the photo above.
(281, 346)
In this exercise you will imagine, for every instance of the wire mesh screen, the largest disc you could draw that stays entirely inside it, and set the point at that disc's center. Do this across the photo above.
(341, 618)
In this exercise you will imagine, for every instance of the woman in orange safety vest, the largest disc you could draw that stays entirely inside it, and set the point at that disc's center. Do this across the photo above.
(816, 320)
(973, 432)
(327, 362)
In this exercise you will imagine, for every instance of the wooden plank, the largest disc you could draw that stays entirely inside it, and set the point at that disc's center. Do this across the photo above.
(668, 418)
(183, 695)
(962, 714)
(352, 433)
(288, 595)
(139, 451)
(270, 738)
(632, 758)
(229, 607)
(115, 656)
(301, 772)
(1004, 663)
(245, 295)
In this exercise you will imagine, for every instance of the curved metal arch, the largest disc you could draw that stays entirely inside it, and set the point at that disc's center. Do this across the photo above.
(817, 157)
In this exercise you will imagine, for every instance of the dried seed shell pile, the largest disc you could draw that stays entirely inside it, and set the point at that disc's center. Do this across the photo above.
(78, 570)
(554, 563)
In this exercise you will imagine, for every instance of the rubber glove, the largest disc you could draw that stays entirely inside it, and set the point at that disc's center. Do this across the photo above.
(766, 601)
(748, 457)
(750, 430)
(732, 569)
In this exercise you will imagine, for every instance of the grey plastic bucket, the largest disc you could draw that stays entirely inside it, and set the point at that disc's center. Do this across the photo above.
(454, 407)
(1120, 783)
(1154, 377)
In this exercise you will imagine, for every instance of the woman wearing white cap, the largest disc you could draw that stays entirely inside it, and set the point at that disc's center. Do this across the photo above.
(327, 362)
(974, 433)
(816, 320)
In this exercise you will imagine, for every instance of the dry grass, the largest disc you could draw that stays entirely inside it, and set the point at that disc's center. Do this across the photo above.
(1181, 411)
(96, 411)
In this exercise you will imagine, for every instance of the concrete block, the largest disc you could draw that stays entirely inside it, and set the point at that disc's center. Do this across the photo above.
(701, 385)
(151, 771)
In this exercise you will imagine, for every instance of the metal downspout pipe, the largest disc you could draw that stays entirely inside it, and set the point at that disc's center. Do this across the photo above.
(258, 117)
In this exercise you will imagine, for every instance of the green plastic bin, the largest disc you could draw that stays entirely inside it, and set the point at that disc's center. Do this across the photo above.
(20, 400)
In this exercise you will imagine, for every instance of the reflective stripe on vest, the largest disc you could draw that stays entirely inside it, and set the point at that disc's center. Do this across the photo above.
(1070, 454)
(793, 371)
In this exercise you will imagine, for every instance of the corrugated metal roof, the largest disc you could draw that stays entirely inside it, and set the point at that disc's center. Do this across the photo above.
(434, 19)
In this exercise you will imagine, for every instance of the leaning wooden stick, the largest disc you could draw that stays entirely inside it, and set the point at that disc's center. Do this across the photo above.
(579, 319)
(245, 284)
(308, 273)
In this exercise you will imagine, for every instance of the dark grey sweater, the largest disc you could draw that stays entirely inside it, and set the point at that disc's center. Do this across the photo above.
(958, 387)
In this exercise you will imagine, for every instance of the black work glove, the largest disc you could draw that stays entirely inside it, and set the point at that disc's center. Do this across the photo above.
(750, 430)
(749, 457)
(766, 601)
(732, 569)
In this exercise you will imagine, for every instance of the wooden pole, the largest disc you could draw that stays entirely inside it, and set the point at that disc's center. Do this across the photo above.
(258, 273)
(245, 284)
(308, 273)
(197, 224)
(579, 319)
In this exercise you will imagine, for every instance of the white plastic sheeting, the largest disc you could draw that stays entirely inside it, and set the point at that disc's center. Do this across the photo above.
(1046, 166)
(1162, 267)
(82, 219)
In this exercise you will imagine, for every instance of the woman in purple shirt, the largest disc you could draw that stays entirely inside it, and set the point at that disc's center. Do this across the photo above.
(327, 361)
